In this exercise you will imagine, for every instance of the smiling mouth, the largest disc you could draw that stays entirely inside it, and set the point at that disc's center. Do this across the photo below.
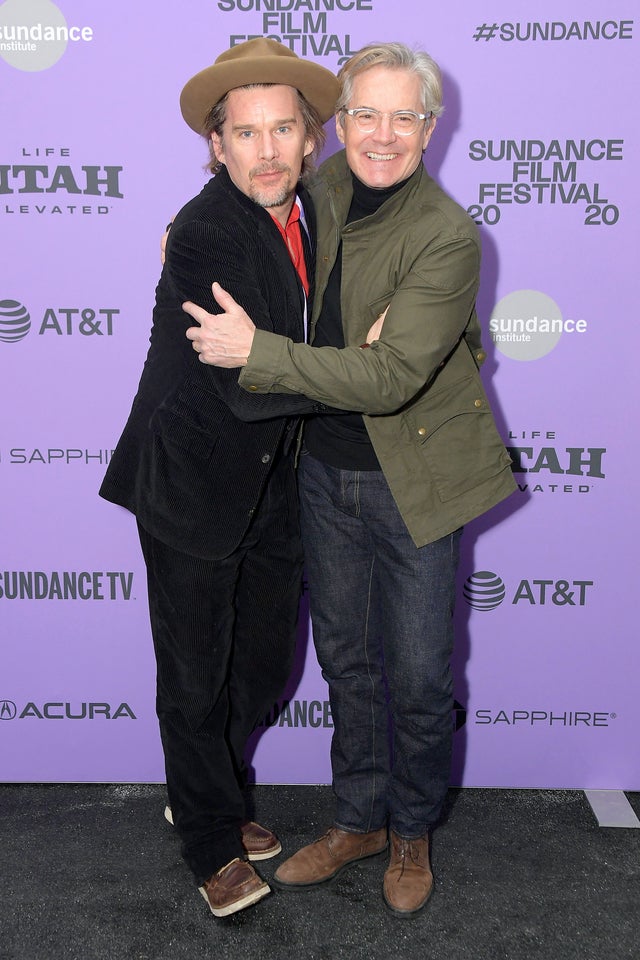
(381, 156)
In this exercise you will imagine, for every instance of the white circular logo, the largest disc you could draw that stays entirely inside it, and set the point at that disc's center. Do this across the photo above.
(34, 34)
(526, 325)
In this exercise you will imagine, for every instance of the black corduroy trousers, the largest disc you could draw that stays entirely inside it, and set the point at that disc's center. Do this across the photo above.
(224, 637)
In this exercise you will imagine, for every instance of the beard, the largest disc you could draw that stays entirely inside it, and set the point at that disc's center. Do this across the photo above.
(276, 195)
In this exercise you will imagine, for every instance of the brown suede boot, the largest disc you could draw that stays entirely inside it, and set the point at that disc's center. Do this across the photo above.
(408, 881)
(325, 858)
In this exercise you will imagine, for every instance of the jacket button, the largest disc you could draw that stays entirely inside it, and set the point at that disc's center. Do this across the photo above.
(481, 355)
(477, 403)
(253, 388)
(422, 431)
(266, 458)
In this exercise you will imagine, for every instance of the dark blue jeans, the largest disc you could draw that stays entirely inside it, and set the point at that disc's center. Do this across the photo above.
(382, 617)
(224, 637)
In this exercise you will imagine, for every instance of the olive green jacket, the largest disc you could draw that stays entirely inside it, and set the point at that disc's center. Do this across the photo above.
(424, 405)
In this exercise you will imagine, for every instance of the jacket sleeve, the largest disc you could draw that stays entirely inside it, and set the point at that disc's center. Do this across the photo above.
(428, 314)
(198, 254)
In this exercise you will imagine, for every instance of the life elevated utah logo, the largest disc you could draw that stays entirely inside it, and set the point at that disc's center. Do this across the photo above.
(46, 181)
(34, 34)
(543, 466)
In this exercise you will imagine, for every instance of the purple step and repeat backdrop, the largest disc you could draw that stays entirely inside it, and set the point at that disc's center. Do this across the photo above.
(539, 142)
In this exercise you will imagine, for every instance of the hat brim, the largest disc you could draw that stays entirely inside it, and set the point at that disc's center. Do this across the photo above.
(317, 84)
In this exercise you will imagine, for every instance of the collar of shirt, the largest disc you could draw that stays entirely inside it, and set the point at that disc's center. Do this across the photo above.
(291, 235)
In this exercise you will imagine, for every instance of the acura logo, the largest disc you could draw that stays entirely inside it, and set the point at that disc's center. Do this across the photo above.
(7, 710)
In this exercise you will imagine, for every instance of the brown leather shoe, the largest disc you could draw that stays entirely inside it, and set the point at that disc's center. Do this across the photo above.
(233, 888)
(258, 842)
(325, 858)
(408, 881)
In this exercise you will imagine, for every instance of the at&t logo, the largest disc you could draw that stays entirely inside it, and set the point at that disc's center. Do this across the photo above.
(486, 590)
(15, 321)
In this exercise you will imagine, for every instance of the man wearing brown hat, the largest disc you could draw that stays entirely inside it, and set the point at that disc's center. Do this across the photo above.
(384, 495)
(224, 580)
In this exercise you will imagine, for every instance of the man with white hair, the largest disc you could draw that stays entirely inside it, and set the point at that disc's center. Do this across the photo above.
(386, 490)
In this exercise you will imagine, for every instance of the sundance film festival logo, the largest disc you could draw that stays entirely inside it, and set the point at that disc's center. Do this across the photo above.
(485, 590)
(16, 321)
(545, 172)
(34, 34)
(308, 27)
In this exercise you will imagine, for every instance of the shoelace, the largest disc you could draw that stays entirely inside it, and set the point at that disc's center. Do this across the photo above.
(407, 846)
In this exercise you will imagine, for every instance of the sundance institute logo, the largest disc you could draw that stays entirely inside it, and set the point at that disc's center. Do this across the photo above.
(527, 325)
(34, 34)
(15, 321)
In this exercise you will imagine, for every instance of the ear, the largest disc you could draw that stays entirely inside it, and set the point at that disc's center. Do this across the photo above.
(340, 127)
(427, 133)
(309, 146)
(218, 149)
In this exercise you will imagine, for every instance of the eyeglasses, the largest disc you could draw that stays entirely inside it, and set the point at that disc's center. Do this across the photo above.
(403, 122)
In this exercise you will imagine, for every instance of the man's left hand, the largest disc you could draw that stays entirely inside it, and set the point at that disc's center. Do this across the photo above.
(222, 339)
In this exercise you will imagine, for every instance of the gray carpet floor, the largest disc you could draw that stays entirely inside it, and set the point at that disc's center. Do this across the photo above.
(93, 872)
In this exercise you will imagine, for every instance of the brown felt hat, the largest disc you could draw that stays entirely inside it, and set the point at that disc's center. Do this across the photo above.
(257, 61)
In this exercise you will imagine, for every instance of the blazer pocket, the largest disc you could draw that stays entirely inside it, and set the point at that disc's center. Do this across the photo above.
(192, 420)
(456, 433)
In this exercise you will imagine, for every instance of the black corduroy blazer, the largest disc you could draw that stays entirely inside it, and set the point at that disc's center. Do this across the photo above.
(196, 450)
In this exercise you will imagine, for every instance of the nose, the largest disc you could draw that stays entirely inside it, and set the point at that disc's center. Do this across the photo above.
(385, 132)
(268, 147)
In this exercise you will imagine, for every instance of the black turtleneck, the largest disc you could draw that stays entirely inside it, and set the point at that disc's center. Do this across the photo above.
(343, 441)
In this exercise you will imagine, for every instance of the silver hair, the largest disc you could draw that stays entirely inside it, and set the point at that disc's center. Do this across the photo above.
(396, 56)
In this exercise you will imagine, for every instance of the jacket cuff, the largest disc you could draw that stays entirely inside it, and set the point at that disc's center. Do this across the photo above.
(265, 363)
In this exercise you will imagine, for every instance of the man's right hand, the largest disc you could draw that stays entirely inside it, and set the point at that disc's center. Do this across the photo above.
(221, 339)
